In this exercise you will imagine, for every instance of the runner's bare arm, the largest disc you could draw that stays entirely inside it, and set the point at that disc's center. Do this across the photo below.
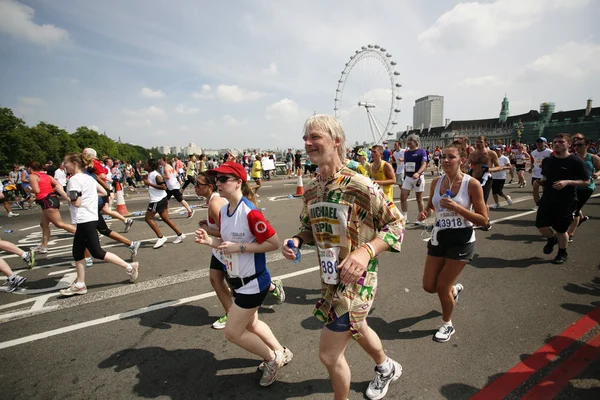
(495, 162)
(426, 213)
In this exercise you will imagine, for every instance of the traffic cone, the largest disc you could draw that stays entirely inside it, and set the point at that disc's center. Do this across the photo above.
(121, 207)
(299, 187)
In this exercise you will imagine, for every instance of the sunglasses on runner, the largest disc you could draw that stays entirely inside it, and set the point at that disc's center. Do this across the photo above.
(579, 144)
(225, 179)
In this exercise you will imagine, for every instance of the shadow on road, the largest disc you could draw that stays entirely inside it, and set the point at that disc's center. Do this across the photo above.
(516, 238)
(492, 262)
(186, 315)
(197, 374)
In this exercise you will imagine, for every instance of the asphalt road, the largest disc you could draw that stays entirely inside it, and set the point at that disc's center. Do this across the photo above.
(153, 339)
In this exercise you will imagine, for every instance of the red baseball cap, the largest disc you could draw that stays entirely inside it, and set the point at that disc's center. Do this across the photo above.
(231, 167)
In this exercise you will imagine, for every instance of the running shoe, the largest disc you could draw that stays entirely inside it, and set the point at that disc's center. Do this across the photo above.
(380, 384)
(29, 258)
(40, 249)
(287, 357)
(13, 284)
(179, 239)
(495, 205)
(271, 368)
(444, 333)
(135, 270)
(509, 200)
(486, 227)
(73, 290)
(459, 288)
(560, 258)
(89, 263)
(220, 323)
(570, 238)
(191, 213)
(582, 220)
(534, 208)
(135, 246)
(128, 223)
(160, 242)
(278, 292)
(549, 246)
(12, 214)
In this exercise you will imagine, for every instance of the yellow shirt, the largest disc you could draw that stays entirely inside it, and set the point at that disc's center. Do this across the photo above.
(379, 175)
(256, 169)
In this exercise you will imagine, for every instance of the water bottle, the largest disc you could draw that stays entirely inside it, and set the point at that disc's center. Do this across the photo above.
(139, 213)
(263, 209)
(447, 195)
(296, 251)
(8, 231)
(290, 196)
(107, 217)
(183, 213)
(418, 181)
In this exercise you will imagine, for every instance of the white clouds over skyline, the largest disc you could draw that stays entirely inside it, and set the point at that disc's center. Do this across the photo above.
(16, 19)
(152, 94)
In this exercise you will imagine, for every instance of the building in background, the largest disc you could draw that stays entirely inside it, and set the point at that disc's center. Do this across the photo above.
(428, 112)
(175, 150)
(191, 149)
(164, 150)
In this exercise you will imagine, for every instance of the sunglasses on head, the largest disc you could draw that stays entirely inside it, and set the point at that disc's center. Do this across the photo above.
(225, 179)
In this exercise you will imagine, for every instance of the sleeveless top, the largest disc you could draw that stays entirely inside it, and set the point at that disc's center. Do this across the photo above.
(379, 175)
(446, 219)
(45, 185)
(589, 164)
(172, 182)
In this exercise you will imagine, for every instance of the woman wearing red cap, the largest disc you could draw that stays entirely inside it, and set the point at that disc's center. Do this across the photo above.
(245, 238)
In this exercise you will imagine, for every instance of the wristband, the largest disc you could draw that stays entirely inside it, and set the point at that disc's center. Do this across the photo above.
(300, 241)
(370, 250)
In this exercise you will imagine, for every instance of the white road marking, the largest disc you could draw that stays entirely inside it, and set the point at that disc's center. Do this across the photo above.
(129, 314)
(64, 282)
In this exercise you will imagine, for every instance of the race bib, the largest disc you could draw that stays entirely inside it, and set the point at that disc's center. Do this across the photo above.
(538, 161)
(232, 264)
(450, 219)
(329, 263)
(410, 166)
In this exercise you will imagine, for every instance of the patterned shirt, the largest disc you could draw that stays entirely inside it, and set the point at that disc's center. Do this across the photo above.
(348, 212)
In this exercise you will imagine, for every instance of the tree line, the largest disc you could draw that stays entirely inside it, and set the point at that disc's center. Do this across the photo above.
(20, 144)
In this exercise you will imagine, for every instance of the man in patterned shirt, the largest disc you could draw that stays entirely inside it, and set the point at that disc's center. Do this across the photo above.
(351, 221)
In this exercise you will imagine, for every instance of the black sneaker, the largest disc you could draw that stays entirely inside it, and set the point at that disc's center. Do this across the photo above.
(560, 258)
(549, 246)
(582, 220)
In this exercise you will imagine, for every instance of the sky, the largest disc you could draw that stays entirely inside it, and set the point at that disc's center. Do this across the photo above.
(247, 74)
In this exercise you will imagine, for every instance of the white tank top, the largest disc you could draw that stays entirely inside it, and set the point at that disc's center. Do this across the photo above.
(172, 182)
(446, 219)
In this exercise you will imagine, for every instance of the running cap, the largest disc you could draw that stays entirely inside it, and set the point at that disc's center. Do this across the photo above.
(90, 151)
(541, 139)
(231, 167)
(363, 153)
(495, 148)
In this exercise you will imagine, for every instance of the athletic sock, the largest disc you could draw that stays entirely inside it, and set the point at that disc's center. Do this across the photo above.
(405, 215)
(447, 323)
(79, 284)
(129, 268)
(385, 367)
(12, 278)
(24, 255)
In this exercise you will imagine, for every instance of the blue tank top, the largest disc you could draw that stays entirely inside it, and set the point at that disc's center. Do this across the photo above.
(589, 164)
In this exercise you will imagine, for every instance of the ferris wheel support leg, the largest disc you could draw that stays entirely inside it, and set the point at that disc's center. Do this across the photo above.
(372, 122)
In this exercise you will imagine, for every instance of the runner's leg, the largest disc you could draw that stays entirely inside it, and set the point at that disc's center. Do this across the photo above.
(236, 332)
(331, 352)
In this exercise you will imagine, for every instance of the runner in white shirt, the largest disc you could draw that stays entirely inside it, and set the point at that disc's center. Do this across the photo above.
(158, 204)
(398, 157)
(245, 238)
(499, 177)
(61, 176)
(537, 156)
(83, 191)
(173, 185)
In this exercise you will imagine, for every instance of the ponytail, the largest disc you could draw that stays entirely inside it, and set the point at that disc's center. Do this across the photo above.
(249, 193)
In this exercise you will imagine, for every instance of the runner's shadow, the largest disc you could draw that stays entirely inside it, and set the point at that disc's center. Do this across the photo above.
(516, 238)
(185, 315)
(459, 391)
(492, 262)
(195, 373)
(399, 329)
(516, 222)
(592, 288)
(301, 296)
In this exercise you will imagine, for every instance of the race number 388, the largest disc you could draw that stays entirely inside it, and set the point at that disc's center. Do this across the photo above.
(329, 263)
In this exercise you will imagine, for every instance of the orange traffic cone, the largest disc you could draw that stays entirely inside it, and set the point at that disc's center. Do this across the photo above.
(121, 207)
(299, 187)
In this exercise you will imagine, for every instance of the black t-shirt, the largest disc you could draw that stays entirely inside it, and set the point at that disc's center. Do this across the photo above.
(298, 158)
(51, 170)
(288, 157)
(558, 169)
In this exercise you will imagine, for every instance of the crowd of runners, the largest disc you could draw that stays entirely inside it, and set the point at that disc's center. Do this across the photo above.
(348, 214)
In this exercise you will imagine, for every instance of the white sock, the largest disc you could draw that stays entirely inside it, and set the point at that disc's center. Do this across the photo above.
(447, 323)
(89, 259)
(79, 284)
(12, 278)
(129, 268)
(24, 255)
(405, 214)
(385, 367)
(454, 291)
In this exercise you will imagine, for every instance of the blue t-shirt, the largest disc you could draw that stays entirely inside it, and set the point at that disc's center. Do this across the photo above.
(386, 155)
(413, 160)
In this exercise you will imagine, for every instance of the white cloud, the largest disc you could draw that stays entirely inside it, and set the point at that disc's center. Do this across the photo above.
(181, 109)
(231, 121)
(152, 94)
(487, 23)
(571, 61)
(16, 20)
(151, 112)
(138, 123)
(284, 109)
(206, 93)
(271, 69)
(487, 80)
(31, 101)
(236, 94)
(94, 128)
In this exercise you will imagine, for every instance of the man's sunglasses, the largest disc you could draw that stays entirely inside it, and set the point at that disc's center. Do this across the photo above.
(225, 179)
(579, 144)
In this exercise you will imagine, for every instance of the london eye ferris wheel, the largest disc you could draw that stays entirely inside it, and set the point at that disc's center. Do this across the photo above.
(367, 97)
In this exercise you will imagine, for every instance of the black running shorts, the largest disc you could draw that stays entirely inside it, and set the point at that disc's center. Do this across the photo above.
(556, 215)
(249, 301)
(159, 206)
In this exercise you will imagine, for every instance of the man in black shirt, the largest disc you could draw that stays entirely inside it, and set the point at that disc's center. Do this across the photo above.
(561, 174)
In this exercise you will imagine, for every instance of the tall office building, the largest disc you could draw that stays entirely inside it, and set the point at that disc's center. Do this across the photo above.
(428, 112)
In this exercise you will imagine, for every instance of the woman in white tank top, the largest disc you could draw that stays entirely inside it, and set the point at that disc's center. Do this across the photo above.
(453, 197)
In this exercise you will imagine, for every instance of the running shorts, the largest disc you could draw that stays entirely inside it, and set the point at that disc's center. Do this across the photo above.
(216, 264)
(249, 301)
(175, 193)
(498, 186)
(583, 195)
(341, 324)
(486, 189)
(159, 206)
(48, 202)
(556, 215)
(453, 244)
(411, 184)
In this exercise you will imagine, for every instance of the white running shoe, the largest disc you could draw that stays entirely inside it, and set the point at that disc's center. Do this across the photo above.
(73, 290)
(179, 239)
(220, 323)
(160, 242)
(495, 205)
(380, 384)
(459, 288)
(444, 333)
(89, 263)
(135, 270)
(12, 214)
(40, 249)
(135, 246)
(509, 200)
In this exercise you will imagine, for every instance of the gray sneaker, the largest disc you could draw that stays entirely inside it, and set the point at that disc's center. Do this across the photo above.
(379, 385)
(128, 223)
(278, 292)
(135, 246)
(29, 258)
(287, 357)
(271, 368)
(14, 284)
